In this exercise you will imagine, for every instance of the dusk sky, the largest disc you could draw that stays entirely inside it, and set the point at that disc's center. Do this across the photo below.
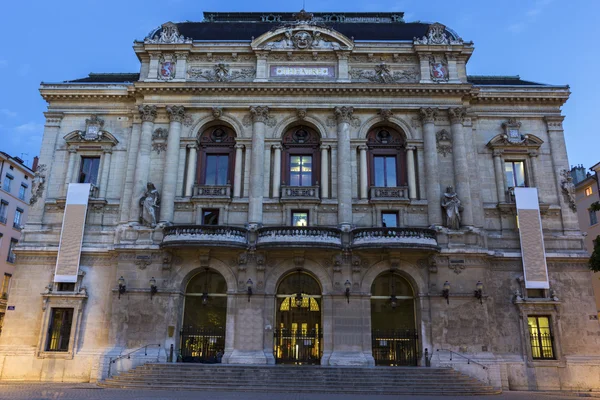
(548, 41)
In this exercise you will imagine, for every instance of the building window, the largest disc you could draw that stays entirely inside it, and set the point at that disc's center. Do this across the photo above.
(389, 219)
(217, 169)
(515, 173)
(300, 170)
(59, 331)
(216, 157)
(210, 217)
(22, 191)
(541, 338)
(5, 286)
(8, 182)
(588, 191)
(387, 157)
(384, 171)
(17, 221)
(65, 287)
(3, 211)
(299, 218)
(88, 172)
(593, 217)
(11, 254)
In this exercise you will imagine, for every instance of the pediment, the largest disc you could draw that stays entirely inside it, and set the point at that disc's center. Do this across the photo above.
(302, 37)
(525, 140)
(102, 137)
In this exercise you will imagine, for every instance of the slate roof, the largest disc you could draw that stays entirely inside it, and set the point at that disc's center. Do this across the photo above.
(108, 78)
(482, 80)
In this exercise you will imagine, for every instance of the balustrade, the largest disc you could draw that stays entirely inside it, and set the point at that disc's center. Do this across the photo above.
(214, 235)
(291, 236)
(396, 237)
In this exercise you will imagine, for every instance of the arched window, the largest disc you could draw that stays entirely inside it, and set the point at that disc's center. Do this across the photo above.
(217, 157)
(387, 157)
(301, 161)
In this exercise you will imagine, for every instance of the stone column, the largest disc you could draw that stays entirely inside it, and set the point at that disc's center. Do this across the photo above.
(432, 185)
(153, 69)
(142, 165)
(324, 171)
(343, 116)
(461, 165)
(364, 179)
(424, 59)
(276, 170)
(499, 172)
(131, 158)
(343, 70)
(261, 67)
(70, 168)
(260, 116)
(412, 177)
(533, 156)
(180, 67)
(105, 173)
(169, 182)
(237, 179)
(190, 178)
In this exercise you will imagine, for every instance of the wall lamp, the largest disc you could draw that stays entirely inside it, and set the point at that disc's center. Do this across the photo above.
(298, 299)
(348, 285)
(122, 287)
(393, 301)
(249, 284)
(204, 298)
(479, 291)
(153, 287)
(446, 292)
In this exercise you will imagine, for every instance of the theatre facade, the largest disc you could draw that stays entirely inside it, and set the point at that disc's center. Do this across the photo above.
(315, 189)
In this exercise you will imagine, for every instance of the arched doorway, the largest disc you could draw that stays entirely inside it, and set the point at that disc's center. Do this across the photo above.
(298, 334)
(393, 321)
(204, 318)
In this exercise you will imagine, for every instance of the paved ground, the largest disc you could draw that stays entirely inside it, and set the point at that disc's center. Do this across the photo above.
(50, 391)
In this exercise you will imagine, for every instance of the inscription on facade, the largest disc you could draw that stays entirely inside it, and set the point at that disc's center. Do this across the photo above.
(279, 71)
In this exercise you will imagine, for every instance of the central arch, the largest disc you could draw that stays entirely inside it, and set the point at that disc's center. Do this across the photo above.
(298, 336)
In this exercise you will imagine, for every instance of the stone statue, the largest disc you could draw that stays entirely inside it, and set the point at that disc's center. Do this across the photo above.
(38, 184)
(149, 206)
(451, 204)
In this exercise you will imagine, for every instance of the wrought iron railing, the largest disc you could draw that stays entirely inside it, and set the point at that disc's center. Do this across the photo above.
(300, 235)
(2, 220)
(217, 191)
(469, 360)
(213, 234)
(401, 236)
(395, 347)
(300, 193)
(297, 346)
(542, 346)
(389, 193)
(128, 355)
(202, 345)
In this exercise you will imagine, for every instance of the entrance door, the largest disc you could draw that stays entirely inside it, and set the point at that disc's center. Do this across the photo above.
(394, 337)
(204, 318)
(298, 334)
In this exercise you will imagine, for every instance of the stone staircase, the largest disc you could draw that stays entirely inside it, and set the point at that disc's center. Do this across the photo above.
(316, 379)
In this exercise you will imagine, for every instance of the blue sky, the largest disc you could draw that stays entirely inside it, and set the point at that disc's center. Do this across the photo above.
(549, 41)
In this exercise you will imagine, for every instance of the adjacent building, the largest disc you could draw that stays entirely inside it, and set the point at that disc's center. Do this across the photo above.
(327, 188)
(15, 192)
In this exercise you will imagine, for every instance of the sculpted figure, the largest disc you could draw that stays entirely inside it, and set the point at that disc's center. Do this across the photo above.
(451, 204)
(149, 204)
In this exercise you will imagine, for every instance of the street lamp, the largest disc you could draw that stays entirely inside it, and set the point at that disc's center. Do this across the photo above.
(122, 287)
(479, 291)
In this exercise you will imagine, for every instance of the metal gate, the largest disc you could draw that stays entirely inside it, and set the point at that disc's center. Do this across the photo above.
(396, 347)
(297, 346)
(202, 345)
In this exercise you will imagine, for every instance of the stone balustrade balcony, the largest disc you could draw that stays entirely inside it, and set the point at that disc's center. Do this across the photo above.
(299, 236)
(297, 193)
(388, 193)
(212, 191)
(204, 235)
(416, 238)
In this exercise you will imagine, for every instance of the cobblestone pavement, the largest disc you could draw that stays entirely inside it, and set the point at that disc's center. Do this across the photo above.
(54, 391)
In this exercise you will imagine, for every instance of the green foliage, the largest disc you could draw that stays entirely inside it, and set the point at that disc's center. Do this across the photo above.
(595, 206)
(594, 262)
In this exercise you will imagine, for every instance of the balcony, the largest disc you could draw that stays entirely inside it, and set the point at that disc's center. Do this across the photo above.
(212, 191)
(299, 236)
(204, 235)
(300, 193)
(415, 238)
(394, 193)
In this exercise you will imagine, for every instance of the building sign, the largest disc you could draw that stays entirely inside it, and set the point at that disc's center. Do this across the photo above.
(533, 252)
(299, 71)
(10, 308)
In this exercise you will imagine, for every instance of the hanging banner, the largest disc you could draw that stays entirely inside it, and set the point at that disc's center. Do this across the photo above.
(532, 238)
(71, 235)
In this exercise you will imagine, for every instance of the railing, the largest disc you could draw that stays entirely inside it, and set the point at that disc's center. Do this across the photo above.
(389, 193)
(300, 235)
(400, 237)
(469, 360)
(128, 355)
(297, 346)
(209, 234)
(11, 258)
(542, 346)
(2, 220)
(395, 347)
(16, 226)
(202, 345)
(214, 191)
(300, 193)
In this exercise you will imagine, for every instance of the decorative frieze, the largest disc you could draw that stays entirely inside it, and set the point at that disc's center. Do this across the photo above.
(222, 72)
(383, 74)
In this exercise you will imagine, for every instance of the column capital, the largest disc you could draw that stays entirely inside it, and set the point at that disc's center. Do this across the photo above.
(192, 146)
(363, 147)
(411, 148)
(277, 146)
(259, 113)
(498, 152)
(107, 150)
(147, 112)
(428, 114)
(176, 113)
(533, 153)
(343, 114)
(53, 118)
(457, 114)
(72, 149)
(554, 123)
(324, 147)
(239, 146)
(182, 55)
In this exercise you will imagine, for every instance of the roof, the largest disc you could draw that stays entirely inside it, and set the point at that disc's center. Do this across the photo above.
(501, 81)
(108, 78)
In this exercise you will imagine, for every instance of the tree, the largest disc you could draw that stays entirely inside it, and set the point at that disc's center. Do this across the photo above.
(595, 206)
(594, 262)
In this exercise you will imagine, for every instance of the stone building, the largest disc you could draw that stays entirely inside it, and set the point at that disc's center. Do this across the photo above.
(327, 188)
(15, 192)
